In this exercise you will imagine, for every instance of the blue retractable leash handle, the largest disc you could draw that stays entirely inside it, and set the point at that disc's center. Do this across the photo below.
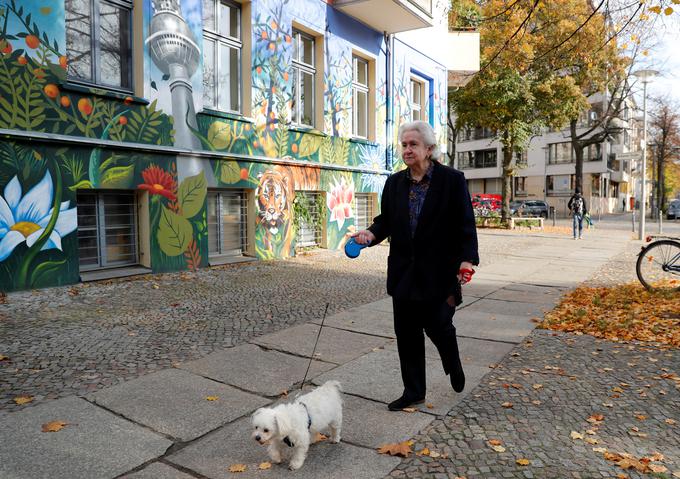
(353, 249)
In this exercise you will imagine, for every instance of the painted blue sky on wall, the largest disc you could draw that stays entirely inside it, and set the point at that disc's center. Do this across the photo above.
(48, 14)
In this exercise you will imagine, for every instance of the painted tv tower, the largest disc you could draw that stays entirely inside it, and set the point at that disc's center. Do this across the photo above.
(173, 49)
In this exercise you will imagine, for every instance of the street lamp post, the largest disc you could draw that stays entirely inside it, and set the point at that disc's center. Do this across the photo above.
(645, 77)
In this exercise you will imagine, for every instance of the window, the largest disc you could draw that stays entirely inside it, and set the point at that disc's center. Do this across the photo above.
(593, 153)
(359, 97)
(521, 185)
(310, 233)
(364, 211)
(418, 100)
(521, 158)
(560, 185)
(222, 55)
(227, 223)
(107, 229)
(477, 159)
(560, 153)
(304, 72)
(99, 42)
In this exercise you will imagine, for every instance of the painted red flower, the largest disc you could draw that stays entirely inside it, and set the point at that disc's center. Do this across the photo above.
(158, 182)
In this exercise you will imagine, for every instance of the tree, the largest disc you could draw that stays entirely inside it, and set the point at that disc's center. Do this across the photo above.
(665, 138)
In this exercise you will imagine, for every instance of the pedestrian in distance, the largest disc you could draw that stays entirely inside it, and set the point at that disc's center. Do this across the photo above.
(427, 213)
(577, 207)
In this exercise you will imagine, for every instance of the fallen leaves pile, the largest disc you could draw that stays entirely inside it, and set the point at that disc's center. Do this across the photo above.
(621, 313)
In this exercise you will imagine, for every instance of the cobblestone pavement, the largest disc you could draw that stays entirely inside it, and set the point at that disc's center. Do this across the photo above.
(76, 340)
(552, 384)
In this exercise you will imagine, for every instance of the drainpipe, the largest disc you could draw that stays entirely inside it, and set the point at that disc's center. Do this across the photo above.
(389, 85)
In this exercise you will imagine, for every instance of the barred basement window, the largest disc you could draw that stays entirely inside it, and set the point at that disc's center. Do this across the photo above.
(227, 223)
(107, 229)
(364, 211)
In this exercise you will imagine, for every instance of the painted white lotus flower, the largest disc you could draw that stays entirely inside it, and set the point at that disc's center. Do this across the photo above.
(25, 219)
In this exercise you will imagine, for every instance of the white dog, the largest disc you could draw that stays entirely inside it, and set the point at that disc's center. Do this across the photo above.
(295, 424)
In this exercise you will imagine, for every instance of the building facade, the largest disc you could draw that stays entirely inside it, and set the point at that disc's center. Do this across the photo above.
(166, 135)
(546, 169)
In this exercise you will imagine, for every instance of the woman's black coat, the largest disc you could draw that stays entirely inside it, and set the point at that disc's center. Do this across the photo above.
(424, 267)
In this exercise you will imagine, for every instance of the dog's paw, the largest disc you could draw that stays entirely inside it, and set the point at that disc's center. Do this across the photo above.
(295, 465)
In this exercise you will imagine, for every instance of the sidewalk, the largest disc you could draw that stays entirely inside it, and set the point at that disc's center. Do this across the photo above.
(160, 425)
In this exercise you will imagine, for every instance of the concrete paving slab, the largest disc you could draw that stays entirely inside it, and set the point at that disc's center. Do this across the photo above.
(173, 402)
(335, 346)
(158, 470)
(212, 455)
(95, 443)
(369, 423)
(376, 376)
(384, 304)
(493, 326)
(513, 308)
(528, 294)
(239, 366)
(481, 286)
(363, 320)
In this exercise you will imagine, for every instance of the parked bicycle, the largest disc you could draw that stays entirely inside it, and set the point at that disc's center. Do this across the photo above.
(658, 264)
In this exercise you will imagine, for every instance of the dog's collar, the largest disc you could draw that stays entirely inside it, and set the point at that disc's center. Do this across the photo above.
(309, 418)
(286, 440)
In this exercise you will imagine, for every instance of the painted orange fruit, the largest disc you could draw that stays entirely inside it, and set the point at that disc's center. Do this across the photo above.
(63, 62)
(22, 60)
(294, 148)
(5, 47)
(128, 100)
(65, 101)
(122, 120)
(51, 90)
(264, 35)
(84, 106)
(285, 76)
(32, 41)
(244, 173)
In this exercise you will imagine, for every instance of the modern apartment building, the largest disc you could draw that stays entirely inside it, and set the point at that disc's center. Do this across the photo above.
(166, 135)
(546, 169)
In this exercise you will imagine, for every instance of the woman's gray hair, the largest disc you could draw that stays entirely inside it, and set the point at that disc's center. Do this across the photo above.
(426, 133)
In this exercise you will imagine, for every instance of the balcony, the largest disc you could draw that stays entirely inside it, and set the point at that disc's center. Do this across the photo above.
(462, 60)
(391, 16)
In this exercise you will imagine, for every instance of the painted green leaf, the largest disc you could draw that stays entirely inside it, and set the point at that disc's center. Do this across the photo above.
(45, 273)
(118, 176)
(81, 185)
(230, 172)
(219, 134)
(309, 145)
(192, 193)
(174, 233)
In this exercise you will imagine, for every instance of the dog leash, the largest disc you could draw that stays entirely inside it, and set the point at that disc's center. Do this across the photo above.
(314, 350)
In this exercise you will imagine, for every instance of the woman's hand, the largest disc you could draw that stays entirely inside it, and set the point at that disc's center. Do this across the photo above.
(364, 237)
(465, 272)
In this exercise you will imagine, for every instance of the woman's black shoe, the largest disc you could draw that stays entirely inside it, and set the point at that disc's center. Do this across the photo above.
(457, 380)
(402, 402)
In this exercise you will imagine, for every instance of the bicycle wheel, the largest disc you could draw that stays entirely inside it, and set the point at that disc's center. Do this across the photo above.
(658, 266)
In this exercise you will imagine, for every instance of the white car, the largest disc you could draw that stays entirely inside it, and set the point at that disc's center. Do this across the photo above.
(673, 211)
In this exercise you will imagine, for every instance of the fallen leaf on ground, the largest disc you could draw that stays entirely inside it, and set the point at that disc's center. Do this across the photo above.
(402, 449)
(319, 437)
(238, 468)
(495, 442)
(591, 440)
(212, 398)
(54, 426)
(410, 409)
(20, 400)
(435, 455)
(600, 450)
(576, 435)
(429, 405)
(658, 468)
(423, 452)
(537, 386)
(536, 402)
(523, 462)
(4, 358)
(264, 466)
(595, 418)
(640, 417)
(676, 474)
(670, 421)
(498, 448)
(284, 393)
(507, 405)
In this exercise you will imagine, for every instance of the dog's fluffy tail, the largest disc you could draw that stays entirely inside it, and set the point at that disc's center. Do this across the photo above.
(333, 384)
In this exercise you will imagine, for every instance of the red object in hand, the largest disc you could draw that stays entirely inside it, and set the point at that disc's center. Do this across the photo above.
(465, 275)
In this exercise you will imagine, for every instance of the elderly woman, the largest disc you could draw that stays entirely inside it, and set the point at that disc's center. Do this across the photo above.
(427, 213)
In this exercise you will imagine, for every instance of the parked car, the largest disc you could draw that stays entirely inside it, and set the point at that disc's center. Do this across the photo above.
(529, 208)
(673, 211)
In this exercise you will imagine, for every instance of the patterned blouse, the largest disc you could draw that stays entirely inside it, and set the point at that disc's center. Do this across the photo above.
(416, 196)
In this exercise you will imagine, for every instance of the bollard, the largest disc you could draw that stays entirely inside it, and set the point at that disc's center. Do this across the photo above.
(660, 222)
(633, 221)
(552, 213)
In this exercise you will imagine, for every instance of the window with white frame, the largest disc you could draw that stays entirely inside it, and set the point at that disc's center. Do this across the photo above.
(227, 222)
(359, 97)
(521, 185)
(364, 210)
(222, 47)
(99, 42)
(304, 78)
(418, 99)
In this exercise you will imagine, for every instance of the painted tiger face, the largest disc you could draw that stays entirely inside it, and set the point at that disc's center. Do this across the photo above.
(272, 200)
